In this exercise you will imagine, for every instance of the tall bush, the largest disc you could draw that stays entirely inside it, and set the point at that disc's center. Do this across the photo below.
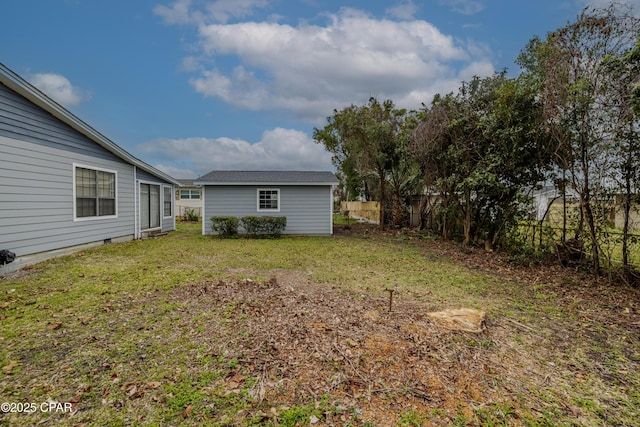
(264, 226)
(225, 226)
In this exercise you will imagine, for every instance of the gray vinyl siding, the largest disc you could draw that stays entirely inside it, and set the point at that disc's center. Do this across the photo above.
(307, 208)
(36, 199)
(36, 181)
(22, 120)
(147, 177)
(168, 223)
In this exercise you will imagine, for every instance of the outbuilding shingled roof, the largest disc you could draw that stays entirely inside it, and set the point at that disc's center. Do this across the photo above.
(267, 177)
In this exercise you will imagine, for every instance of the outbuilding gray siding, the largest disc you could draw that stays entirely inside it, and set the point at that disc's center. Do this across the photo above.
(307, 208)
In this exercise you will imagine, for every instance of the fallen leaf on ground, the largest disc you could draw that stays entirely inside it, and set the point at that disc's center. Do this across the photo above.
(187, 411)
(53, 326)
(76, 398)
(8, 368)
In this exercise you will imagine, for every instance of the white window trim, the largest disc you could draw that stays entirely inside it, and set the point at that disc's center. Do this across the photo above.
(191, 192)
(96, 168)
(170, 200)
(258, 200)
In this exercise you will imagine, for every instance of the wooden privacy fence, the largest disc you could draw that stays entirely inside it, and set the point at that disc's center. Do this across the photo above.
(362, 211)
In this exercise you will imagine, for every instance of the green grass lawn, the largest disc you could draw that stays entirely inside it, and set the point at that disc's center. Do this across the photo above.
(189, 329)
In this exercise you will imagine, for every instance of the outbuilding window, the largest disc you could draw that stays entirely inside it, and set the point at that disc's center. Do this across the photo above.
(95, 192)
(269, 199)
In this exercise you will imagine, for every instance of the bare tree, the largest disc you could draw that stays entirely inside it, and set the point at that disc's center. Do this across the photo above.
(570, 68)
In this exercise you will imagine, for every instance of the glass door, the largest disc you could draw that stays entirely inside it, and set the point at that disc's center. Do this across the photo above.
(149, 206)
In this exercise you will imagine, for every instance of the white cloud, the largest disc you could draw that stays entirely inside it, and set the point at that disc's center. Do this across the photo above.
(224, 10)
(59, 88)
(213, 83)
(464, 7)
(307, 70)
(477, 69)
(311, 69)
(190, 63)
(406, 10)
(278, 149)
(185, 12)
(241, 88)
(178, 13)
(178, 173)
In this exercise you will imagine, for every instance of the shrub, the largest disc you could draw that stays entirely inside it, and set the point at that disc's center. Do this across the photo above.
(251, 224)
(191, 215)
(225, 226)
(274, 225)
(269, 226)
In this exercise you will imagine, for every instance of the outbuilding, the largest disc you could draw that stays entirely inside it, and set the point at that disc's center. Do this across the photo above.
(305, 198)
(65, 186)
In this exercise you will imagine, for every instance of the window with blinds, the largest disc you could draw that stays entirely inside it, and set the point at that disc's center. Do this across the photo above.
(95, 192)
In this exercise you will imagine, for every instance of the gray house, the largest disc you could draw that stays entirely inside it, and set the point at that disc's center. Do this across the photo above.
(305, 198)
(65, 185)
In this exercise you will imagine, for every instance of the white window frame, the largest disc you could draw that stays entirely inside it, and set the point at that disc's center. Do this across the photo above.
(76, 218)
(191, 193)
(164, 200)
(268, 209)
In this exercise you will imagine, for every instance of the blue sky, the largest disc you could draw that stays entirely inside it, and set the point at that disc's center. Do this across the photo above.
(191, 86)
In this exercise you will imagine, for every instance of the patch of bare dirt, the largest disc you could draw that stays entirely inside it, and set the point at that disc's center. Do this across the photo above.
(307, 341)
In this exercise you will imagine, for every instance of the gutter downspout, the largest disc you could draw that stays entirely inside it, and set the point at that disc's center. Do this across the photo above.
(136, 226)
(202, 211)
(331, 210)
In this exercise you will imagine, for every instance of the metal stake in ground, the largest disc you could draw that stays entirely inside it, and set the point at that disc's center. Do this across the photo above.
(391, 292)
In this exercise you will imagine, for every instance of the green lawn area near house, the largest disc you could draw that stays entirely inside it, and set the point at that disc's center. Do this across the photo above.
(188, 329)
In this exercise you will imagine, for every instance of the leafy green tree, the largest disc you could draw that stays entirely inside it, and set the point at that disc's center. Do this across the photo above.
(516, 158)
(367, 145)
(479, 149)
(474, 100)
(433, 149)
(337, 138)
